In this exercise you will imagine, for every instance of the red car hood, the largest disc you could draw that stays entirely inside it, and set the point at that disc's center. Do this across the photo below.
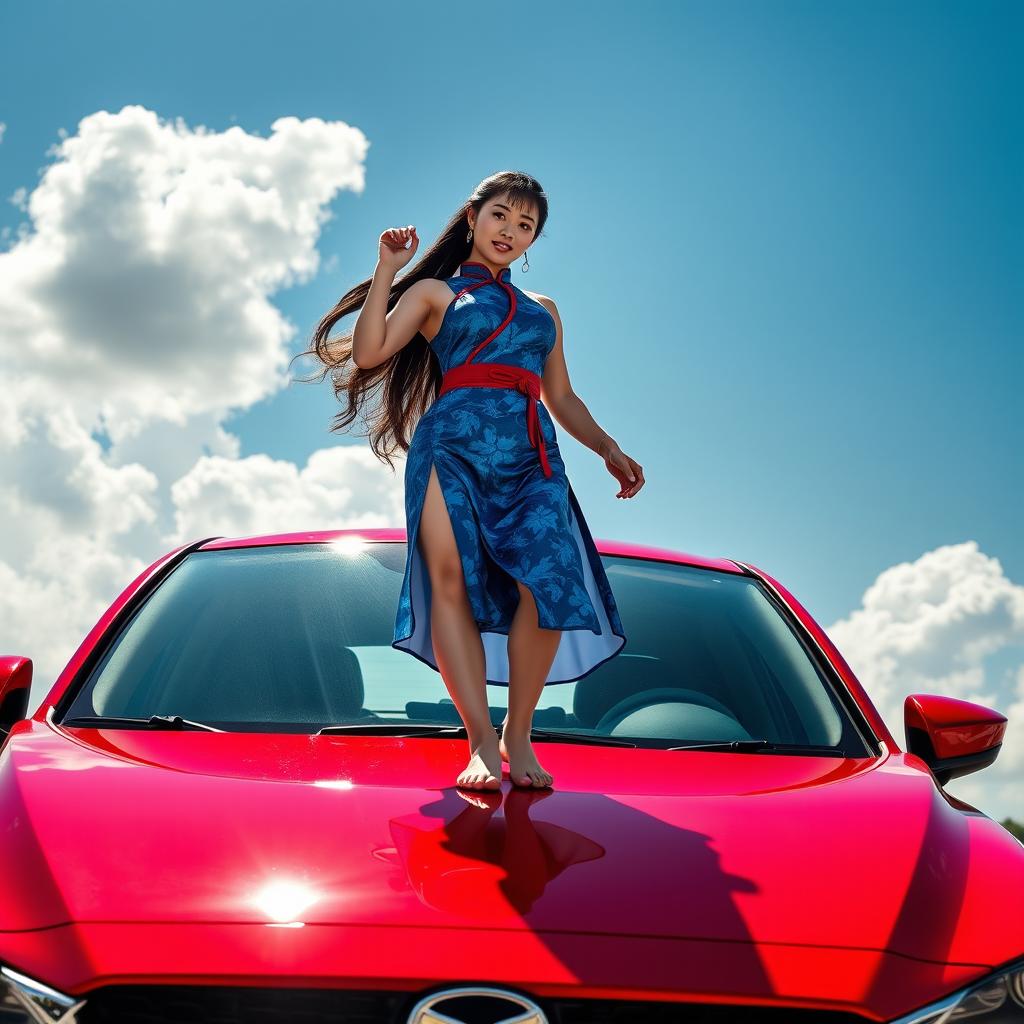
(192, 827)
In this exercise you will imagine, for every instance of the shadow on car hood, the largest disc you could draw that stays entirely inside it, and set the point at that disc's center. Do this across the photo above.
(131, 825)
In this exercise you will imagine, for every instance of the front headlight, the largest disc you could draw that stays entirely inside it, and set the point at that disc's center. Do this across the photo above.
(23, 1000)
(998, 998)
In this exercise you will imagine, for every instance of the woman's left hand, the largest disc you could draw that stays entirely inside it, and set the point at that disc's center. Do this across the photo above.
(628, 472)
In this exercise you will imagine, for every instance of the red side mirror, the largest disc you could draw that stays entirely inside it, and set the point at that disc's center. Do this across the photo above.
(953, 737)
(15, 684)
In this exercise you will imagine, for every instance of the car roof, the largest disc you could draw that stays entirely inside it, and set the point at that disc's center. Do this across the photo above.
(398, 535)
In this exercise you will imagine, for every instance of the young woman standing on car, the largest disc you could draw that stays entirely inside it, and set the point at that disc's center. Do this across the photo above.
(503, 583)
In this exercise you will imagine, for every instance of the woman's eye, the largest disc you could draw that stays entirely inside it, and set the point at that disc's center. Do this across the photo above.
(498, 213)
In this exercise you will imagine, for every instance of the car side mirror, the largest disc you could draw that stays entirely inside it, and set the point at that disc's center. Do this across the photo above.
(953, 737)
(15, 684)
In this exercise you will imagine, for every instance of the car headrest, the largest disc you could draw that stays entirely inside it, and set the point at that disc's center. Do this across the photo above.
(613, 681)
(341, 691)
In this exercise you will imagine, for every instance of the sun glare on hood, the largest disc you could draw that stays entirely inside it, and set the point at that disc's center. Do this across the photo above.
(283, 902)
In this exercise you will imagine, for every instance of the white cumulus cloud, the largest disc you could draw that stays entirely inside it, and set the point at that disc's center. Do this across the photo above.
(136, 315)
(932, 626)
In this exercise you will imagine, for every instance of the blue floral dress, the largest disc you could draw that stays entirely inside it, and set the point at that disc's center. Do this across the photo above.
(511, 520)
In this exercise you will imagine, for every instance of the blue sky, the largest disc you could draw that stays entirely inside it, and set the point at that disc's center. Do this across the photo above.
(785, 239)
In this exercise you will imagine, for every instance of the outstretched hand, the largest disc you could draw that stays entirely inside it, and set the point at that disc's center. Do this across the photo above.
(629, 473)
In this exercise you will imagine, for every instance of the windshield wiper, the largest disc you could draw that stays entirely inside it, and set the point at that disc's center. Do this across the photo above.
(407, 729)
(756, 744)
(153, 722)
(578, 737)
(399, 729)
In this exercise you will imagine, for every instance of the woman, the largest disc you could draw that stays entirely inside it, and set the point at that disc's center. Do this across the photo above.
(503, 583)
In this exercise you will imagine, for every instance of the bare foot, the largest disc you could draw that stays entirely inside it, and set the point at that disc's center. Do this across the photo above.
(523, 766)
(484, 768)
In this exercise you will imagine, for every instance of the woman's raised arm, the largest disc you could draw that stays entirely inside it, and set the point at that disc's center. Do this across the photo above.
(377, 334)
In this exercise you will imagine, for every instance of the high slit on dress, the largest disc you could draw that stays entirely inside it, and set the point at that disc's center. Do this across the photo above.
(513, 517)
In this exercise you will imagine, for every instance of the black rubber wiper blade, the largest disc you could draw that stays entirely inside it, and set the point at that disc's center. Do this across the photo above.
(578, 737)
(758, 744)
(459, 731)
(153, 722)
(399, 729)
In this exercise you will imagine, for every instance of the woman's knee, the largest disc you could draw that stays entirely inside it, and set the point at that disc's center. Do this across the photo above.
(447, 581)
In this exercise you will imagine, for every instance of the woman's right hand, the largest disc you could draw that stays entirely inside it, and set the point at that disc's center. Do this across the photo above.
(392, 252)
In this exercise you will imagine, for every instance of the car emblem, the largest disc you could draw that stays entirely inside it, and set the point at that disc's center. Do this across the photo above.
(474, 1004)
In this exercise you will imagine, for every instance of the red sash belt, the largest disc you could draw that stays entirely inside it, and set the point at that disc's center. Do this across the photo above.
(503, 375)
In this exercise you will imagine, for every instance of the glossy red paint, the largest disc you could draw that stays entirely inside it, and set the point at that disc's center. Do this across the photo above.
(956, 727)
(296, 860)
(574, 965)
(758, 858)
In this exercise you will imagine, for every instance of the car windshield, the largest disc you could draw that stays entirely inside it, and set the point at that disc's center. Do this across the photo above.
(297, 637)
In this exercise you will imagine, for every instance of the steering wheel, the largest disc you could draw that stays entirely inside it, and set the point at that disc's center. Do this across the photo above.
(662, 695)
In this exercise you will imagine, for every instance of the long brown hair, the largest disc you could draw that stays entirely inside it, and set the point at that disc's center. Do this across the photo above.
(411, 378)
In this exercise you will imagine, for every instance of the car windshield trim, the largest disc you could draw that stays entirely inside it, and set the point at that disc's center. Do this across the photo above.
(756, 745)
(397, 729)
(153, 722)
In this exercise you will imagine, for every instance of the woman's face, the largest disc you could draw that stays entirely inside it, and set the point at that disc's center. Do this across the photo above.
(498, 224)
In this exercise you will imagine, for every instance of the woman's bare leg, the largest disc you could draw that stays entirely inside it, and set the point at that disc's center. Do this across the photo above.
(457, 644)
(531, 650)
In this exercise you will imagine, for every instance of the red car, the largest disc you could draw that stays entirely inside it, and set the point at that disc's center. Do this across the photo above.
(733, 834)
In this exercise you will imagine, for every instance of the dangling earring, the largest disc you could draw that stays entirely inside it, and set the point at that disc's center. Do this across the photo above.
(526, 263)
(469, 237)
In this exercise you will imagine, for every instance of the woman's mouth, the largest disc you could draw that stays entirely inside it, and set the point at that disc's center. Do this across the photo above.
(501, 246)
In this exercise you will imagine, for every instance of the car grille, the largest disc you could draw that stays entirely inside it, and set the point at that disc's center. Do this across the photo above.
(203, 1004)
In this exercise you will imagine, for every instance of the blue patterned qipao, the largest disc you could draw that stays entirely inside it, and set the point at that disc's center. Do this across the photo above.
(510, 521)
